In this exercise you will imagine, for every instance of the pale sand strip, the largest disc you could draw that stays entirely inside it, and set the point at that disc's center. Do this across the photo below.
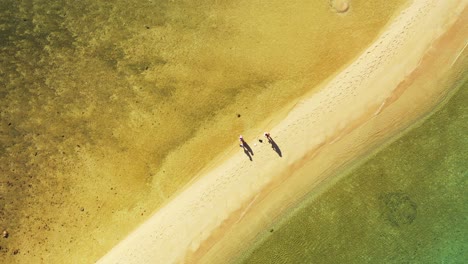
(190, 218)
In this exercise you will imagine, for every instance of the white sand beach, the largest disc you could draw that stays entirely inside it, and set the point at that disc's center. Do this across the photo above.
(359, 106)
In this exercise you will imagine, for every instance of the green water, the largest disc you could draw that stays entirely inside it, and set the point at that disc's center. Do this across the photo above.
(406, 204)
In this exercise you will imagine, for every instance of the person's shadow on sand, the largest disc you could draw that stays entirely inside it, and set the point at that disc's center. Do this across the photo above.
(247, 150)
(247, 147)
(275, 146)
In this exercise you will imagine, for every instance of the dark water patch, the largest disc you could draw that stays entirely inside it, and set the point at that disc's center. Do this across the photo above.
(165, 91)
(110, 53)
(398, 208)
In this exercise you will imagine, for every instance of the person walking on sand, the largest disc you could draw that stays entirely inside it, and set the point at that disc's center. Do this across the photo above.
(241, 139)
(267, 135)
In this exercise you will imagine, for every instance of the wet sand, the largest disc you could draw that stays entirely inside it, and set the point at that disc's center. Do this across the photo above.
(360, 93)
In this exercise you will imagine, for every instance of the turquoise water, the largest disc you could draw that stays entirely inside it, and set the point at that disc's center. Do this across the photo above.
(407, 204)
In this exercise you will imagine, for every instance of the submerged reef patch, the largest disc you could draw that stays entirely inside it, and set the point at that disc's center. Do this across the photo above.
(398, 208)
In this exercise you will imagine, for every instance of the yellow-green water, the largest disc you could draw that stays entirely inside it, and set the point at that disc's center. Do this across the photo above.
(406, 204)
(108, 108)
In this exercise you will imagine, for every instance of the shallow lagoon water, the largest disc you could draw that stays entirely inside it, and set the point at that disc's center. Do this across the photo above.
(104, 106)
(406, 204)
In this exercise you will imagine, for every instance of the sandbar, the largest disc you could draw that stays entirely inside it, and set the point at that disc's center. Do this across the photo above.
(187, 228)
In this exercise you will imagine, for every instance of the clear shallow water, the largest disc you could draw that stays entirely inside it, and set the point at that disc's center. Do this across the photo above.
(407, 204)
(99, 100)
